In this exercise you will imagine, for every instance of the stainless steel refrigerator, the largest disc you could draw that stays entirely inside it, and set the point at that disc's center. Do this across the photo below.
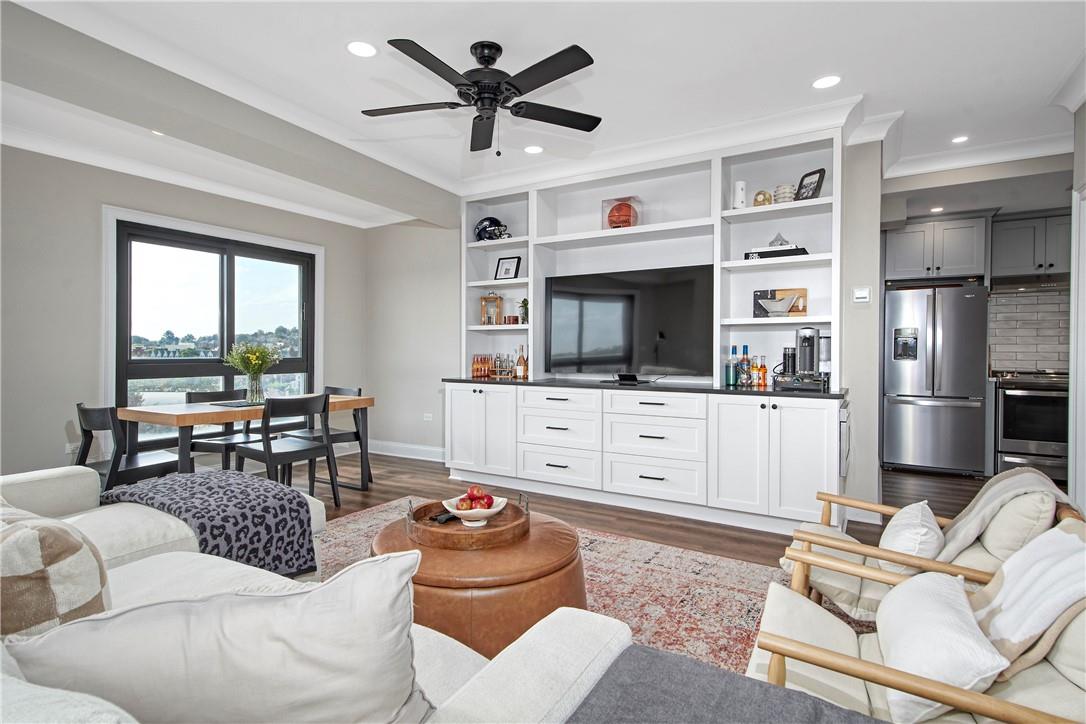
(935, 371)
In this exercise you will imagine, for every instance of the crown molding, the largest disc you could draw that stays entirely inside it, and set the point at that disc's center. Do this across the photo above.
(1071, 94)
(1060, 143)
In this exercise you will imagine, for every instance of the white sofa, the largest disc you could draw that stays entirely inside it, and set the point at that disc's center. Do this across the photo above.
(122, 532)
(541, 677)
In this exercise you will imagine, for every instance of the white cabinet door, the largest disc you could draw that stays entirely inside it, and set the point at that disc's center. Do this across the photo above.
(739, 453)
(463, 425)
(802, 455)
(499, 430)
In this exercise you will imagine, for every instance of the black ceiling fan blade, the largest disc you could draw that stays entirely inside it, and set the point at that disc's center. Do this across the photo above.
(392, 110)
(557, 116)
(548, 70)
(482, 133)
(428, 60)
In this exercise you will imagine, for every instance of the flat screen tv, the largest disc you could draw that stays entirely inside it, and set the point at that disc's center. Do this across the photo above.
(647, 322)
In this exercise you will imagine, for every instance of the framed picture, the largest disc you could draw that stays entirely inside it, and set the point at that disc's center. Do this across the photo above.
(508, 267)
(810, 186)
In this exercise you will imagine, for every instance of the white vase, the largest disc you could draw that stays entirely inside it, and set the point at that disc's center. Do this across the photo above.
(739, 195)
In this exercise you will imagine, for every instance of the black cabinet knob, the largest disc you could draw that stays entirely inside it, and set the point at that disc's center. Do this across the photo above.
(762, 405)
(774, 407)
(938, 268)
(927, 268)
(1051, 265)
(1040, 266)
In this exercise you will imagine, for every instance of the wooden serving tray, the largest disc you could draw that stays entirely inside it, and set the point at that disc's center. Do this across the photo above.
(508, 526)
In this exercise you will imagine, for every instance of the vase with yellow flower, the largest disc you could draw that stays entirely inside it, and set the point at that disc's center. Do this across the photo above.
(254, 360)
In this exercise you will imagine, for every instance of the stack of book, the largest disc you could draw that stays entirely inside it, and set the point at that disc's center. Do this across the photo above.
(769, 252)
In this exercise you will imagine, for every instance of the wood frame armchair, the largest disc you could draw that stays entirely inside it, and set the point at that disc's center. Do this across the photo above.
(828, 500)
(782, 647)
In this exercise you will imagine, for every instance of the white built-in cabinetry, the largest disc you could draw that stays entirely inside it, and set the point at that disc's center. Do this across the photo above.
(480, 428)
(937, 249)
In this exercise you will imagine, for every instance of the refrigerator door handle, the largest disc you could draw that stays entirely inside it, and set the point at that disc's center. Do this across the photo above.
(929, 303)
(929, 402)
(938, 347)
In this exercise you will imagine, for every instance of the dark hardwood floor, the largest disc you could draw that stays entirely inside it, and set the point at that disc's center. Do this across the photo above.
(396, 477)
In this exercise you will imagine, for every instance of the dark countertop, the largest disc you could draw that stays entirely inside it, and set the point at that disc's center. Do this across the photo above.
(704, 387)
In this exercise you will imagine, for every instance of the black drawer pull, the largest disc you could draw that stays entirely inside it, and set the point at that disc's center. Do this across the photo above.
(554, 465)
(653, 437)
(552, 427)
(658, 404)
(558, 399)
(651, 477)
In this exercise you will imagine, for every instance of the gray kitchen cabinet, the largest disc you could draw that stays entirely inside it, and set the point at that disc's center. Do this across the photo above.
(1031, 246)
(1018, 247)
(959, 247)
(940, 248)
(909, 251)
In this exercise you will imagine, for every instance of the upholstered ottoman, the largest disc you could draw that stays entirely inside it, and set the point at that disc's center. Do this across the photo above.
(487, 598)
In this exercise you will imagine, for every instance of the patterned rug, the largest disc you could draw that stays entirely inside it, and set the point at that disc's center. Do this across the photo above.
(700, 605)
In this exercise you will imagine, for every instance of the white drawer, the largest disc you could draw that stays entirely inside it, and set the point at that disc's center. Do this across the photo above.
(560, 398)
(579, 468)
(665, 437)
(580, 430)
(678, 480)
(658, 404)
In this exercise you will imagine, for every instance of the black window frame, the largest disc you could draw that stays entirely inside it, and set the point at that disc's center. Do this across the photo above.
(128, 368)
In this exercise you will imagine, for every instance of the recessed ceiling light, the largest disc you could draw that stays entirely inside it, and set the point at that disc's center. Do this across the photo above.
(936, 209)
(828, 81)
(157, 133)
(362, 50)
(533, 149)
(959, 139)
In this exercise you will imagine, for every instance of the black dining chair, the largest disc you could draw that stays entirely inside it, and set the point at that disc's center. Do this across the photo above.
(121, 468)
(359, 434)
(231, 438)
(279, 455)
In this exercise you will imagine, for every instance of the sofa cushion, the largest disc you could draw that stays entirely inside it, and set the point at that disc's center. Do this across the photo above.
(926, 627)
(912, 530)
(787, 613)
(28, 703)
(49, 573)
(841, 588)
(1068, 654)
(53, 492)
(339, 651)
(977, 556)
(126, 532)
(1019, 521)
(443, 664)
(876, 693)
(1042, 687)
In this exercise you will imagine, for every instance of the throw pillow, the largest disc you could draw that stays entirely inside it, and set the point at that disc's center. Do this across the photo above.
(1034, 595)
(926, 627)
(1019, 521)
(26, 702)
(912, 530)
(340, 651)
(49, 573)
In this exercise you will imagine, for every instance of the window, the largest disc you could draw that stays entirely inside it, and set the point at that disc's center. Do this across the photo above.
(591, 332)
(184, 299)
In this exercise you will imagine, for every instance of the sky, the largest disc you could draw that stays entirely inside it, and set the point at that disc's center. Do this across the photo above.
(178, 290)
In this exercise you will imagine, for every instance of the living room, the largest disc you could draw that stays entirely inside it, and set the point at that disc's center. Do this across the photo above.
(714, 383)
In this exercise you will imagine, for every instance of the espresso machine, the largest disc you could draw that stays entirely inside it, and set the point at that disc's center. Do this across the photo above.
(811, 355)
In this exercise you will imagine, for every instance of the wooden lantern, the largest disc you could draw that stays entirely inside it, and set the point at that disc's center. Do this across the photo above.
(490, 302)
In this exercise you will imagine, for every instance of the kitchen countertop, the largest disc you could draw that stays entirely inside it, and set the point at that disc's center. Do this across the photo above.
(705, 387)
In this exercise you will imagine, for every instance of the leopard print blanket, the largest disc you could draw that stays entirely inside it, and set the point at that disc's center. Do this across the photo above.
(234, 515)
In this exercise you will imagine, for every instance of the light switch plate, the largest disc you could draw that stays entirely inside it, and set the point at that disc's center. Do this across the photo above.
(861, 295)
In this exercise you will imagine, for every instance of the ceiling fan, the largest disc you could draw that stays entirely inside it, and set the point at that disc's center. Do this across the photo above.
(488, 89)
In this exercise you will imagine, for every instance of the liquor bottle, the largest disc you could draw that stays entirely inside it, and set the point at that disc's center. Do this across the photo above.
(755, 372)
(744, 367)
(522, 365)
(763, 374)
(731, 371)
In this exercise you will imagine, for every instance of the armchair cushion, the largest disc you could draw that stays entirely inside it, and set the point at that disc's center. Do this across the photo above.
(1019, 521)
(912, 530)
(53, 493)
(1042, 687)
(1068, 654)
(126, 532)
(977, 556)
(858, 598)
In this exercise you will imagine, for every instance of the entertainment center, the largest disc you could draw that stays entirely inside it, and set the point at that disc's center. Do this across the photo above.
(684, 445)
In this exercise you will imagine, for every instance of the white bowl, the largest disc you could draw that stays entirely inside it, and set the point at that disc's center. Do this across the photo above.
(778, 307)
(476, 517)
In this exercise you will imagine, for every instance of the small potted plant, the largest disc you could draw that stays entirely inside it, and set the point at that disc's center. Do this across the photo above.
(253, 360)
(524, 311)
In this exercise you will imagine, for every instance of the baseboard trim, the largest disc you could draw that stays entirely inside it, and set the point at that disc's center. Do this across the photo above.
(397, 450)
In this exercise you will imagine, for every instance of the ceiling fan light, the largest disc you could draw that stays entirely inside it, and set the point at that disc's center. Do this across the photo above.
(361, 49)
(936, 209)
(533, 149)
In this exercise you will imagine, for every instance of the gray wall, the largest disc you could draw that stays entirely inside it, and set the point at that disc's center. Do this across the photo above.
(860, 323)
(1080, 148)
(412, 283)
(50, 322)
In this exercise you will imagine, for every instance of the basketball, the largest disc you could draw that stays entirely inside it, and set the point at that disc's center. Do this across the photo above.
(621, 215)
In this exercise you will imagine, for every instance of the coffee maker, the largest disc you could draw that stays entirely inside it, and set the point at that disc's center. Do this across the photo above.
(806, 375)
(806, 350)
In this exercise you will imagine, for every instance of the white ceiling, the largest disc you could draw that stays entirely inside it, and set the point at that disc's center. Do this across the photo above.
(663, 70)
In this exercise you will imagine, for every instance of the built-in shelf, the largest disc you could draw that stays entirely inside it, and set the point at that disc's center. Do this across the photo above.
(631, 234)
(769, 212)
(494, 283)
(799, 261)
(776, 321)
(499, 244)
(497, 327)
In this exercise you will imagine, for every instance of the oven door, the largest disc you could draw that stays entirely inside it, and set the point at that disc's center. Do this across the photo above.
(1055, 468)
(1033, 421)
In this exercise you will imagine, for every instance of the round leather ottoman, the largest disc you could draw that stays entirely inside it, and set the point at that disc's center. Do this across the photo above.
(487, 598)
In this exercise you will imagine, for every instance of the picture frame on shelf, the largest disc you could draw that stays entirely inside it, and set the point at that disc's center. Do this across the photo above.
(508, 267)
(810, 185)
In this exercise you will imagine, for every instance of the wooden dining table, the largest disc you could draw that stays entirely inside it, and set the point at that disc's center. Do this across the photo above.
(188, 415)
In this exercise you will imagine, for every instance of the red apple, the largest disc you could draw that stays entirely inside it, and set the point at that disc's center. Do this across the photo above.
(475, 492)
(489, 500)
(463, 503)
(479, 504)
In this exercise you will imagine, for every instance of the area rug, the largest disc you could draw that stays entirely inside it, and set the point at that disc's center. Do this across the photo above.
(692, 603)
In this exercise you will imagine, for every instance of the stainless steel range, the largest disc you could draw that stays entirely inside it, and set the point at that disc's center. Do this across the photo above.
(1032, 422)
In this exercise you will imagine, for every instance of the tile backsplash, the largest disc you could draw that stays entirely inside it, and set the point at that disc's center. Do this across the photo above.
(1029, 330)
